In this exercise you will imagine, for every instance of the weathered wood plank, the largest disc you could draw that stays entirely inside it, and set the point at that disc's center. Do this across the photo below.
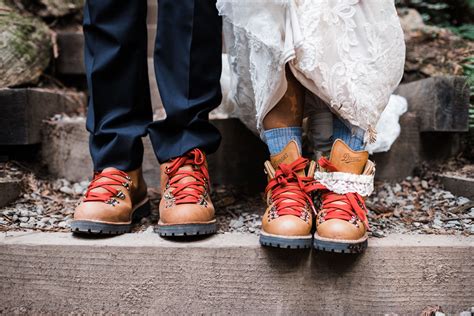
(230, 274)
(430, 130)
(71, 51)
(441, 103)
(458, 184)
(24, 109)
(10, 189)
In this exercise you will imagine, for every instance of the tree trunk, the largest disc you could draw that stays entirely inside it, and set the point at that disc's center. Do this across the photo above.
(55, 8)
(25, 47)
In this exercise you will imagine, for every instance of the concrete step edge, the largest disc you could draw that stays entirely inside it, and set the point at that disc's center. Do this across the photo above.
(55, 273)
(227, 240)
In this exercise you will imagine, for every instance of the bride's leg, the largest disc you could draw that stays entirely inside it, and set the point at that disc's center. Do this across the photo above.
(289, 111)
(287, 221)
(354, 140)
(283, 123)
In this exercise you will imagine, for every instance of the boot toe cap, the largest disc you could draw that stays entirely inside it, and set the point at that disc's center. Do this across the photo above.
(287, 226)
(341, 230)
(186, 214)
(101, 212)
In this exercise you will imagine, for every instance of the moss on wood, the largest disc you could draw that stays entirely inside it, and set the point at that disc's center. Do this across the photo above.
(25, 47)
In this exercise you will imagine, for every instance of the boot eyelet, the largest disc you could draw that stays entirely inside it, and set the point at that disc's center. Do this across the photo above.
(121, 195)
(112, 202)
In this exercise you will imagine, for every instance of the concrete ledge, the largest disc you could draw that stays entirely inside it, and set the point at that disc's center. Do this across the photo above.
(55, 273)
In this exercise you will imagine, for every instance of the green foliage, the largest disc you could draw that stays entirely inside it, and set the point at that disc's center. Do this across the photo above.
(466, 31)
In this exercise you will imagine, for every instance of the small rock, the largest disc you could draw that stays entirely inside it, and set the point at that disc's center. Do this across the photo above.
(438, 222)
(62, 224)
(26, 225)
(462, 200)
(66, 190)
(416, 224)
(24, 213)
(465, 313)
(237, 223)
(78, 189)
(39, 210)
(455, 222)
(424, 184)
(378, 233)
(397, 188)
(448, 195)
(15, 217)
(149, 230)
(23, 219)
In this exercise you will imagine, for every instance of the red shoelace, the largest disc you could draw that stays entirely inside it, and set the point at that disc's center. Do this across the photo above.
(290, 191)
(114, 178)
(189, 192)
(352, 203)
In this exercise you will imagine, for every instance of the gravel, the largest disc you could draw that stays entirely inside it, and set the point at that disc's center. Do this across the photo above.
(412, 206)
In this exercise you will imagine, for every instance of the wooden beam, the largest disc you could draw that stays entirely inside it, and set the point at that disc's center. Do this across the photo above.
(55, 273)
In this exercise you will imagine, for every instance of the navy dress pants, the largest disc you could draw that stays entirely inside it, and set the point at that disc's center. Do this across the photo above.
(187, 62)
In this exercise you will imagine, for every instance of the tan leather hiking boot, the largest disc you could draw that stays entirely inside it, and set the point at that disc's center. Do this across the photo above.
(287, 222)
(114, 199)
(344, 180)
(185, 207)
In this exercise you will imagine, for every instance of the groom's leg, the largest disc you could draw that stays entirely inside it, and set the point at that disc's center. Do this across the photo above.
(188, 68)
(116, 66)
(118, 115)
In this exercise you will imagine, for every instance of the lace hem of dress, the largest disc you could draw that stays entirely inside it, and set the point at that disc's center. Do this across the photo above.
(342, 182)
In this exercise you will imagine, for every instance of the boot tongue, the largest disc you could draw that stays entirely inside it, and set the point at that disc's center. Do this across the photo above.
(347, 160)
(290, 153)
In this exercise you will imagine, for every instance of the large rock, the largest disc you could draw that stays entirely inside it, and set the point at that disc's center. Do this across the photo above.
(25, 47)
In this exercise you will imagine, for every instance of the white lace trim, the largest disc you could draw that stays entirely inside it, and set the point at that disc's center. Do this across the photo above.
(342, 183)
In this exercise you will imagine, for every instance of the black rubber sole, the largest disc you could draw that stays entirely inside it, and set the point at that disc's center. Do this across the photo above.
(281, 242)
(98, 228)
(339, 247)
(186, 229)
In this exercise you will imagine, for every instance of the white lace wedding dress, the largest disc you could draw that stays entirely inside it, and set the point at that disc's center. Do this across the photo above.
(350, 53)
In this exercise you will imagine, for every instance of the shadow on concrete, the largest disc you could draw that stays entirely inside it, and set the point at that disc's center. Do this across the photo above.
(286, 260)
(186, 239)
(81, 235)
(333, 263)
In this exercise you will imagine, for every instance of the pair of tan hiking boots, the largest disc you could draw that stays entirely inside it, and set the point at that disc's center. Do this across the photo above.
(115, 199)
(332, 191)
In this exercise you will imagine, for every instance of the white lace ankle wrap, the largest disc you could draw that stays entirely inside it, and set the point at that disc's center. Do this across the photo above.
(342, 183)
